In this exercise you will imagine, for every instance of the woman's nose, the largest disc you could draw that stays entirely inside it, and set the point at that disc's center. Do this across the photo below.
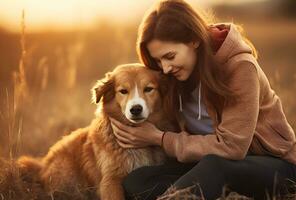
(166, 67)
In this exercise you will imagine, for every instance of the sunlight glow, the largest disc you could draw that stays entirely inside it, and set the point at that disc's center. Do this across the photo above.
(69, 14)
(66, 13)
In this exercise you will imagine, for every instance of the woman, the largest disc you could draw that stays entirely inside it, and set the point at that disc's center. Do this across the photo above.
(234, 132)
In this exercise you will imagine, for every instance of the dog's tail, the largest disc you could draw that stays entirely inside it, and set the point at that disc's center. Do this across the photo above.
(29, 167)
(20, 180)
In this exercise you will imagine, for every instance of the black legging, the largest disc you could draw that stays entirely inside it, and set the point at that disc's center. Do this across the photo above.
(253, 177)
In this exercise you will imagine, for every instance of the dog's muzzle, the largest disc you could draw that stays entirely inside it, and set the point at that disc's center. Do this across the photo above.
(136, 110)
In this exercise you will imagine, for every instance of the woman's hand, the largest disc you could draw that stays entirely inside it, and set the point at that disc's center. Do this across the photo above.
(144, 135)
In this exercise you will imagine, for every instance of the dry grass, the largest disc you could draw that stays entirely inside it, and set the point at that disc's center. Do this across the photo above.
(17, 186)
(227, 194)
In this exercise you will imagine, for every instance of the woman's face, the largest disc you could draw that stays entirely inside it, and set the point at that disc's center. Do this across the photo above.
(177, 59)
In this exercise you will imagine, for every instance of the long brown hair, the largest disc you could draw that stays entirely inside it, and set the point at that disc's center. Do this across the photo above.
(177, 21)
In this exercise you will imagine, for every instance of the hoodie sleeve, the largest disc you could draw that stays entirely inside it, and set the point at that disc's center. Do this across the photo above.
(233, 135)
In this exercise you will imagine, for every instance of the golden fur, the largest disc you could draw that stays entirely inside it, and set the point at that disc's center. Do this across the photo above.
(91, 157)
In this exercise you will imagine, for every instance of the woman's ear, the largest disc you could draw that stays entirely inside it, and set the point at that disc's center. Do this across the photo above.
(103, 88)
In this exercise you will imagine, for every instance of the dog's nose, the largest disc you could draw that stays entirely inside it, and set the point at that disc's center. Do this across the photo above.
(136, 109)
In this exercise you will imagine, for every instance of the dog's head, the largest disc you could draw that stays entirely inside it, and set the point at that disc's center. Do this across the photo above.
(131, 91)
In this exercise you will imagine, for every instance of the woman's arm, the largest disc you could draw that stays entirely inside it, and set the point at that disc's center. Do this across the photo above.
(233, 136)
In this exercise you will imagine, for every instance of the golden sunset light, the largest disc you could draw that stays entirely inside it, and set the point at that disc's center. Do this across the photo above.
(50, 14)
(77, 14)
(147, 99)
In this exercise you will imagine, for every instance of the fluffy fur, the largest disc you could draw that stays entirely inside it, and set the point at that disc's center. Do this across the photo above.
(91, 157)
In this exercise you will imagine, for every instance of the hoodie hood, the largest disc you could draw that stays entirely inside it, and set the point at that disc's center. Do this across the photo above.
(232, 45)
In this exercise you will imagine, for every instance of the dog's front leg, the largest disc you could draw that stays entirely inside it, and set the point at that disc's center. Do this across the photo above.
(111, 189)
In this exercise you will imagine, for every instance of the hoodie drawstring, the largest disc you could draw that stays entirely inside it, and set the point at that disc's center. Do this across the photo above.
(199, 102)
(180, 103)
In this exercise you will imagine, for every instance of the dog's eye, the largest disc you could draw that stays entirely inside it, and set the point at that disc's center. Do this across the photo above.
(123, 91)
(148, 89)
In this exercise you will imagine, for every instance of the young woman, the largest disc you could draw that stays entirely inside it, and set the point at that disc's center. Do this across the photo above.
(234, 131)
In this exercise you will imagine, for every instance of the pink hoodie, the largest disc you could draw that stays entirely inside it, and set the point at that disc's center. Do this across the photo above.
(255, 122)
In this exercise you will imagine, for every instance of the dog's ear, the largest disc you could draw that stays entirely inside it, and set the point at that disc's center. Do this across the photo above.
(103, 88)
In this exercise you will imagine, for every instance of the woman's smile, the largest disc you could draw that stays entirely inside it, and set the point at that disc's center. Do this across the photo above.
(175, 71)
(184, 55)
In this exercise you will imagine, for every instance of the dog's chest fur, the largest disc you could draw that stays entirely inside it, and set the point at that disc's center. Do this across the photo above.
(109, 152)
(144, 157)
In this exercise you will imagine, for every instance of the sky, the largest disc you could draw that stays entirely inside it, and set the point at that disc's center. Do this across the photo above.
(71, 14)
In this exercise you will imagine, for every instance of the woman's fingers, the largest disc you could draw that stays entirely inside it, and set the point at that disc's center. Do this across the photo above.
(128, 146)
(120, 135)
(124, 136)
(120, 125)
(124, 145)
(130, 137)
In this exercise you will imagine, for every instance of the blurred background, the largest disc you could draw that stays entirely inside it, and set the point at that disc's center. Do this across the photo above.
(53, 51)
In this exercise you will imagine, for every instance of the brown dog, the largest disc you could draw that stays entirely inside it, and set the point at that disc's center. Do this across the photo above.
(90, 156)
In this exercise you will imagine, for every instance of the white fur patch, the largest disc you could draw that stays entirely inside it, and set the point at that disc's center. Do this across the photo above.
(136, 100)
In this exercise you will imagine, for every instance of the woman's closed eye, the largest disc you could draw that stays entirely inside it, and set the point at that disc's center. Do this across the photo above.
(170, 57)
